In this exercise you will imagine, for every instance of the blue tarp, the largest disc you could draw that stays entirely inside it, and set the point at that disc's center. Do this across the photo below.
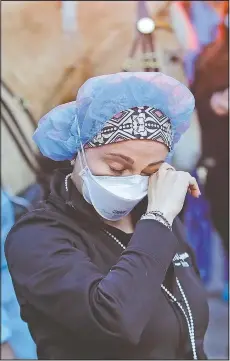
(13, 329)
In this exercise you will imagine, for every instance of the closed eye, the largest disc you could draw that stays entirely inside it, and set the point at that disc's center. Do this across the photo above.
(116, 171)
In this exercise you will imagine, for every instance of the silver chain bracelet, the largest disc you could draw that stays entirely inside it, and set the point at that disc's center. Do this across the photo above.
(157, 216)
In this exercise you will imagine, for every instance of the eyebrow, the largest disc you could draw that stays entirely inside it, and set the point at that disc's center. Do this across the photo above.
(127, 159)
(131, 161)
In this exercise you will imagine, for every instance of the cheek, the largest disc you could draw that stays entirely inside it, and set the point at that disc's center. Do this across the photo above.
(98, 168)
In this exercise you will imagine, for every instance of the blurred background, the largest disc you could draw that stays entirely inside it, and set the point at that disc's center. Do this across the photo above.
(49, 49)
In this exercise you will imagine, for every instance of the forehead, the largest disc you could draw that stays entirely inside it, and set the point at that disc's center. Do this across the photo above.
(138, 150)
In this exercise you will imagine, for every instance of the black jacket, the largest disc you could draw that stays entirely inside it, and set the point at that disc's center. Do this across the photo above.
(83, 297)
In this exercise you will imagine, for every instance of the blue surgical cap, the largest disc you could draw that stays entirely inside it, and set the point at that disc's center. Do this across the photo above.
(100, 98)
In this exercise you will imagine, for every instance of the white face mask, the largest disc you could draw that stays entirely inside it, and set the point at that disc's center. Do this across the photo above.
(112, 197)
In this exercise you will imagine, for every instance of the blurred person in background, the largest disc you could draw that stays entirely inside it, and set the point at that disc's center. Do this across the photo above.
(16, 341)
(102, 270)
(211, 91)
(196, 24)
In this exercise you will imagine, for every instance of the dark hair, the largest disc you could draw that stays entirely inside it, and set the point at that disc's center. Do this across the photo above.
(47, 167)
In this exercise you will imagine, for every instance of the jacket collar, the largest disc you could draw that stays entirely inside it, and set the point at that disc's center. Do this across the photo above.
(71, 202)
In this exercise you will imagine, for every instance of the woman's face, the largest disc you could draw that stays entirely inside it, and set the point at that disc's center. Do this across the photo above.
(142, 157)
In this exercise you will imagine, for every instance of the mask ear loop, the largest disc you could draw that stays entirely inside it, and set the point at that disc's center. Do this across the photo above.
(82, 157)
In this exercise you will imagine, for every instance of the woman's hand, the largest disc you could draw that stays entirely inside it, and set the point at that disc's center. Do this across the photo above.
(167, 191)
(219, 102)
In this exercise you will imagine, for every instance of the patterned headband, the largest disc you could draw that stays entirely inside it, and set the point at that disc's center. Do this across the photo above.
(135, 123)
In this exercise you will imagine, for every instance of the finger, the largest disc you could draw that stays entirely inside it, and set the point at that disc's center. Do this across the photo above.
(161, 174)
(164, 169)
(153, 178)
(166, 166)
(194, 188)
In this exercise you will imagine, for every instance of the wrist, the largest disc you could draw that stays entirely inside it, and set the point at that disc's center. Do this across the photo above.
(157, 216)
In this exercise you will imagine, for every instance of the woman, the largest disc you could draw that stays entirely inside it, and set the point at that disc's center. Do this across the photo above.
(102, 271)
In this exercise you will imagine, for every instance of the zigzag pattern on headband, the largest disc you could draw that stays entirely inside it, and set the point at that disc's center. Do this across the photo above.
(135, 123)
